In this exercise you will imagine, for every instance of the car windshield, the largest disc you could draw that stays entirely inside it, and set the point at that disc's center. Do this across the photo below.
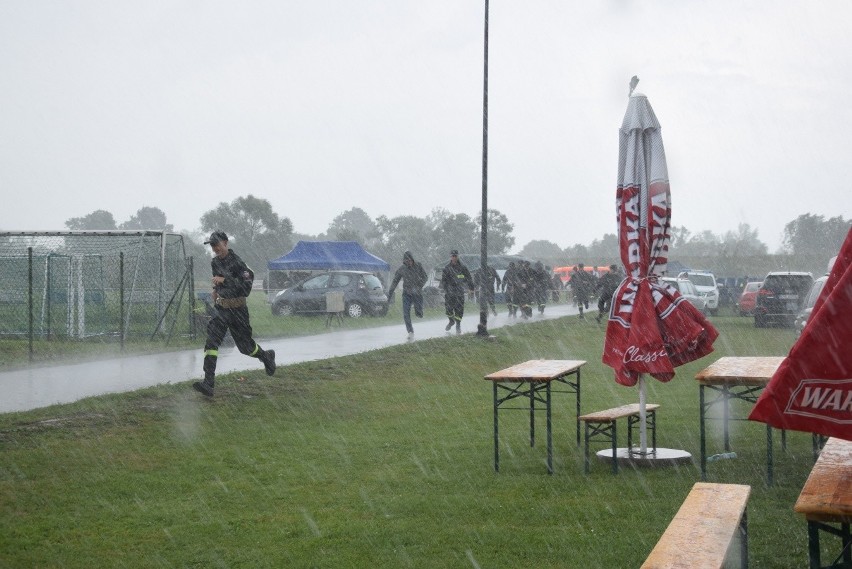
(752, 287)
(317, 282)
(372, 282)
(702, 280)
(687, 288)
(800, 284)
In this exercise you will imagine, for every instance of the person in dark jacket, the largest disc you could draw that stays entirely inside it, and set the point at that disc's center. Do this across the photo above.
(581, 286)
(455, 280)
(232, 282)
(541, 285)
(491, 284)
(510, 283)
(524, 293)
(606, 287)
(413, 278)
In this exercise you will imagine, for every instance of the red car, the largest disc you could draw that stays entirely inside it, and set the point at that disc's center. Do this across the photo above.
(748, 298)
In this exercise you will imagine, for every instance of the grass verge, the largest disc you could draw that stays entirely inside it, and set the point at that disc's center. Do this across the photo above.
(381, 459)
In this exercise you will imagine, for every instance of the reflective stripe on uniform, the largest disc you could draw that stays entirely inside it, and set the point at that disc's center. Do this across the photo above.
(214, 353)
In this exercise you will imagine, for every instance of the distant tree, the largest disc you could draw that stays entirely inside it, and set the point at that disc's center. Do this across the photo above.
(742, 243)
(352, 225)
(252, 227)
(499, 234)
(457, 231)
(541, 249)
(148, 218)
(97, 220)
(814, 235)
(704, 244)
(679, 236)
(406, 233)
(577, 254)
(605, 251)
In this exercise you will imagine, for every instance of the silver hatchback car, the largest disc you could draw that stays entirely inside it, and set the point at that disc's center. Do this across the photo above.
(688, 291)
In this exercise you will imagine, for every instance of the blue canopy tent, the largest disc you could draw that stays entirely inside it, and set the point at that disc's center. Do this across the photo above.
(328, 255)
(312, 256)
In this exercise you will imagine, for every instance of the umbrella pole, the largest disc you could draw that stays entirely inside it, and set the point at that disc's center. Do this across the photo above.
(643, 427)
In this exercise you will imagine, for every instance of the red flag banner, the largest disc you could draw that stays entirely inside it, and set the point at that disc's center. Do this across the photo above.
(812, 389)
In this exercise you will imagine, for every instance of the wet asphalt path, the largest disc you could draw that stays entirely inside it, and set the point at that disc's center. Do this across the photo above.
(27, 389)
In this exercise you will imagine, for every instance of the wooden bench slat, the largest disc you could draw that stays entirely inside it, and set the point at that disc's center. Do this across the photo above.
(615, 413)
(827, 494)
(703, 529)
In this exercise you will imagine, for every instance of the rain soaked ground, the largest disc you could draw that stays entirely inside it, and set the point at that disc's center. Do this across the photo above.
(28, 389)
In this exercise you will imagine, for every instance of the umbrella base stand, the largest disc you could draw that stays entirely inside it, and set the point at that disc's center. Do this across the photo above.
(651, 458)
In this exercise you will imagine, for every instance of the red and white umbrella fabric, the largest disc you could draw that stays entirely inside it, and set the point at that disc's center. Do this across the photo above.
(812, 389)
(652, 329)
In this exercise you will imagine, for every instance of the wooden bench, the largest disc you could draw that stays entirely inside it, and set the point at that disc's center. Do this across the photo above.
(826, 501)
(706, 529)
(601, 426)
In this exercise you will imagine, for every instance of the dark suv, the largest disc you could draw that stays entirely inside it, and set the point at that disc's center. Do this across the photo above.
(781, 298)
(362, 294)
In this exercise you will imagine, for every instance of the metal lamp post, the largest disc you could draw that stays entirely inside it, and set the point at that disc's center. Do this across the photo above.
(482, 328)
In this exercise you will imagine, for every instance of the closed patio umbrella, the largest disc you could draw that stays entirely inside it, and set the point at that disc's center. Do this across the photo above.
(652, 329)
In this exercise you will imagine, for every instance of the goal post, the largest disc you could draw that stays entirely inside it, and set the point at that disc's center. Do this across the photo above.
(85, 284)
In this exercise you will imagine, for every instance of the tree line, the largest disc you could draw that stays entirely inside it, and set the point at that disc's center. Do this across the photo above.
(260, 234)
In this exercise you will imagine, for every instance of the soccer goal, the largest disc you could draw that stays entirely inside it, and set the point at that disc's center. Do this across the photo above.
(83, 284)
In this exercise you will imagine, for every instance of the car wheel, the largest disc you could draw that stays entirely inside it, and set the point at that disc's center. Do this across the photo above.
(282, 309)
(382, 312)
(759, 322)
(355, 310)
(714, 312)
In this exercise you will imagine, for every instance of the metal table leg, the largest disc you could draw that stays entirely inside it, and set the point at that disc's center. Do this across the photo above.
(549, 433)
(702, 436)
(769, 470)
(532, 414)
(578, 407)
(496, 443)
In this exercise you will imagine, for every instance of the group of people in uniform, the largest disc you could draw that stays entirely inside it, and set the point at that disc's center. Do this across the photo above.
(525, 285)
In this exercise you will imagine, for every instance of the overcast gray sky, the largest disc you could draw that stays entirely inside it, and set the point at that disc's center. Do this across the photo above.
(322, 105)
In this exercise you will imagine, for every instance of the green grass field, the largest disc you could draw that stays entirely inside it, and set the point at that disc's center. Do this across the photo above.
(383, 459)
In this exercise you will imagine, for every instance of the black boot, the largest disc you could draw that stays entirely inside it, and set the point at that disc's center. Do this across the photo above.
(268, 359)
(204, 387)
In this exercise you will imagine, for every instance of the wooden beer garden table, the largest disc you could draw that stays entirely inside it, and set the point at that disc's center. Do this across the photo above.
(529, 380)
(826, 501)
(735, 378)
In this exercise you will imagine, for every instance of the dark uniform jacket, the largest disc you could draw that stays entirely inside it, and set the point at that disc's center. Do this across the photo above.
(455, 279)
(238, 277)
(608, 283)
(413, 278)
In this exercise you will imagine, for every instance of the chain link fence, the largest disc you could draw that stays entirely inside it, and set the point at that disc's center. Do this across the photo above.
(113, 285)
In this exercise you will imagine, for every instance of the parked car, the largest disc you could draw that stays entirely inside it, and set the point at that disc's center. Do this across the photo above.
(802, 318)
(781, 298)
(362, 294)
(705, 283)
(687, 290)
(747, 300)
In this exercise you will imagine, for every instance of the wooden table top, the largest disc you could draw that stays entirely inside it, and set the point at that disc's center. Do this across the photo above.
(534, 371)
(827, 495)
(740, 371)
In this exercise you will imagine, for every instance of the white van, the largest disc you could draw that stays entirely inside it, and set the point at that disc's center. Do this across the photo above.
(705, 283)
